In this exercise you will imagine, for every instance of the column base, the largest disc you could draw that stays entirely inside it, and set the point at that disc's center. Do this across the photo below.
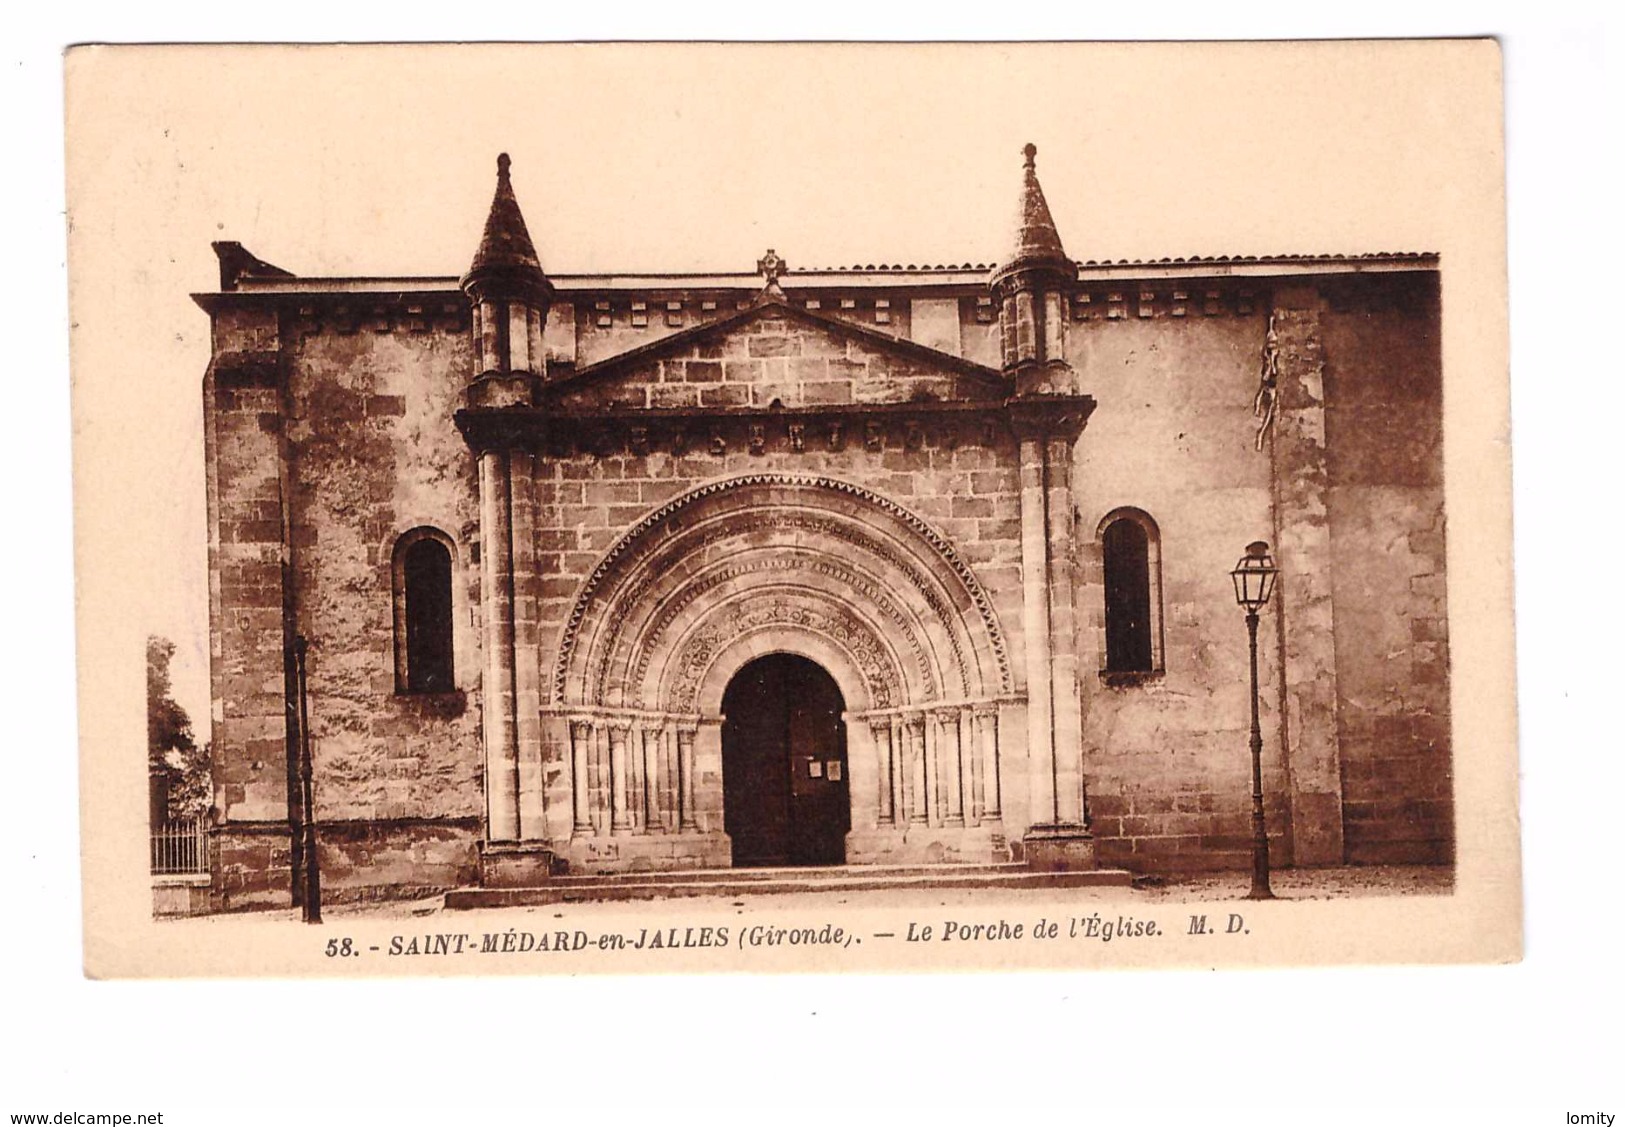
(509, 864)
(1059, 848)
(920, 844)
(622, 852)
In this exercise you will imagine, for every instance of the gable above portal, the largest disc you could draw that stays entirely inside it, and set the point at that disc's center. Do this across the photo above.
(773, 354)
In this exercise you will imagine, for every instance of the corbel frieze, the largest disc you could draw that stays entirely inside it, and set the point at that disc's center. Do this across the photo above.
(404, 314)
(868, 428)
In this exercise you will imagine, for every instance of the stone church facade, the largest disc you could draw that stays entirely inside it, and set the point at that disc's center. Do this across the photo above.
(868, 565)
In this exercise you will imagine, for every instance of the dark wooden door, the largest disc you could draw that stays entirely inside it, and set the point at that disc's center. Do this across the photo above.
(785, 789)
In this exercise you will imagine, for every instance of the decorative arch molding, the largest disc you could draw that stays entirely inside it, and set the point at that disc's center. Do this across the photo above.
(695, 540)
(901, 578)
(781, 579)
(838, 640)
(829, 657)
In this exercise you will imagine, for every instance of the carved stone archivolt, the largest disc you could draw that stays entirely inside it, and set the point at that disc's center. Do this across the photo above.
(901, 629)
(703, 648)
(811, 527)
(797, 555)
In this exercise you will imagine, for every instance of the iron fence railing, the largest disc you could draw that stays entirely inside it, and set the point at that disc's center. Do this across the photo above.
(180, 846)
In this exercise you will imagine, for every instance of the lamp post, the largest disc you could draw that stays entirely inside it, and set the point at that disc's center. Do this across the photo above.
(1254, 577)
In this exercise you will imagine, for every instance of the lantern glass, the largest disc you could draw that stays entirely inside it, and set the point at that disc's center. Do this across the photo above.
(1254, 576)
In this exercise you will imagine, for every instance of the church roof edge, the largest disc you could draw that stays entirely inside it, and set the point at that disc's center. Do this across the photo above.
(877, 276)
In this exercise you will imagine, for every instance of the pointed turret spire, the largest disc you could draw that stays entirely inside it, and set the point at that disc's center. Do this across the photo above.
(510, 297)
(1031, 288)
(1037, 242)
(506, 257)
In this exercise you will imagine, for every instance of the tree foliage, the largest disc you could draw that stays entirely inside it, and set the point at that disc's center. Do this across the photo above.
(173, 754)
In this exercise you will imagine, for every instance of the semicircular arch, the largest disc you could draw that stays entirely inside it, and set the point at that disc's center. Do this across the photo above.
(686, 557)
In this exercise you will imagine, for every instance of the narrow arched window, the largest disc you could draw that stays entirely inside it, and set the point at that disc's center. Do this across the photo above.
(423, 614)
(1131, 554)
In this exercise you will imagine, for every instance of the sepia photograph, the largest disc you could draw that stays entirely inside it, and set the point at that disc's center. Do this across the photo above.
(579, 517)
(753, 563)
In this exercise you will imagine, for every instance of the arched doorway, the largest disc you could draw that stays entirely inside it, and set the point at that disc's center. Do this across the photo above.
(784, 774)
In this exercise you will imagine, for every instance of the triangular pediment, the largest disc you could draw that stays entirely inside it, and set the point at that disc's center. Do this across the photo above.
(774, 354)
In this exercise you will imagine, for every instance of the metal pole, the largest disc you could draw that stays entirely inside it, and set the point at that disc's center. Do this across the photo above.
(291, 692)
(1261, 841)
(311, 902)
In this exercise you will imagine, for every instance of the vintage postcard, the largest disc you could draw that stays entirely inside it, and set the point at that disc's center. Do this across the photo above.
(697, 508)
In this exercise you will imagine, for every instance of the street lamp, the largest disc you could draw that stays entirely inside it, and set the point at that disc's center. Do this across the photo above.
(1254, 577)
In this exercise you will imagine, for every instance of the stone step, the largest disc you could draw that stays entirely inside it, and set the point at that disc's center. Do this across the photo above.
(805, 873)
(727, 882)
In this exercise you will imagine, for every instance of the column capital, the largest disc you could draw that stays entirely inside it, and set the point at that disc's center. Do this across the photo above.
(492, 429)
(1040, 418)
(496, 390)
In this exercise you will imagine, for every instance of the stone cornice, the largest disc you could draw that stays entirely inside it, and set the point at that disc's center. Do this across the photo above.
(539, 428)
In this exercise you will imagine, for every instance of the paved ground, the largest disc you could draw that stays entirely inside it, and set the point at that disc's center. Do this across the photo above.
(1291, 884)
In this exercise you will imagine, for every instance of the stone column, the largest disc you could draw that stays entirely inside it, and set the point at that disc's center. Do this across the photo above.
(527, 657)
(880, 730)
(1035, 626)
(987, 745)
(932, 748)
(914, 733)
(581, 741)
(1007, 330)
(1066, 707)
(685, 778)
(497, 684)
(598, 779)
(1028, 338)
(953, 765)
(1058, 836)
(670, 816)
(651, 779)
(1054, 329)
(487, 315)
(1303, 601)
(535, 321)
(899, 773)
(975, 771)
(620, 815)
(519, 358)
